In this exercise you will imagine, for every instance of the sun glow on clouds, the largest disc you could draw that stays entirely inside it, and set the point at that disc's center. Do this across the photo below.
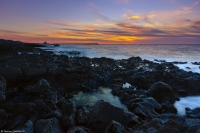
(131, 27)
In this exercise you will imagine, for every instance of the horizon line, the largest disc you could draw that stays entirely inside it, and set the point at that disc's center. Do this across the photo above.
(96, 43)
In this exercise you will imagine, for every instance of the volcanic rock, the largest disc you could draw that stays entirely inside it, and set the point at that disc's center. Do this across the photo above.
(50, 125)
(101, 116)
(10, 73)
(79, 129)
(194, 113)
(83, 114)
(115, 127)
(2, 88)
(3, 117)
(161, 92)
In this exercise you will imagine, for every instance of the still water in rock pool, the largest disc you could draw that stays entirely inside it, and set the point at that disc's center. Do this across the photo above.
(92, 97)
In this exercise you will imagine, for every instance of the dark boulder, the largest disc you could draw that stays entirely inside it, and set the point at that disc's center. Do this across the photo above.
(152, 101)
(182, 93)
(15, 122)
(168, 108)
(23, 96)
(140, 81)
(48, 126)
(41, 86)
(10, 73)
(67, 107)
(136, 59)
(3, 117)
(135, 100)
(11, 92)
(45, 90)
(142, 109)
(33, 70)
(193, 125)
(27, 109)
(159, 60)
(161, 92)
(173, 126)
(117, 81)
(28, 127)
(79, 129)
(47, 109)
(123, 96)
(3, 84)
(165, 117)
(67, 121)
(115, 127)
(115, 88)
(166, 124)
(151, 126)
(188, 67)
(173, 123)
(178, 62)
(9, 106)
(194, 113)
(83, 114)
(195, 63)
(103, 113)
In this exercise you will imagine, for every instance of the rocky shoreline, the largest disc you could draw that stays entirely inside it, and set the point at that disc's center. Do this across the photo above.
(35, 88)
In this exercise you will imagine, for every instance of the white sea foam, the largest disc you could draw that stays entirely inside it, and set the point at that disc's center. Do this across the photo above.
(190, 101)
(189, 67)
(126, 85)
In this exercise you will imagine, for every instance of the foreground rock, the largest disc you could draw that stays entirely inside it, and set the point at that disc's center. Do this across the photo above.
(161, 92)
(3, 117)
(193, 113)
(103, 113)
(196, 63)
(79, 129)
(2, 88)
(44, 90)
(48, 126)
(83, 114)
(35, 92)
(115, 127)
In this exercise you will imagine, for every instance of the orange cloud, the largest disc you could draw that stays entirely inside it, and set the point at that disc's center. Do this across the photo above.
(131, 28)
(135, 17)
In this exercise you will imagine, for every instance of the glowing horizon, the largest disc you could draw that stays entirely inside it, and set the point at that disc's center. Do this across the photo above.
(103, 22)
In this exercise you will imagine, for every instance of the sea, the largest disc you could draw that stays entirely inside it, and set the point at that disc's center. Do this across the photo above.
(172, 52)
(189, 53)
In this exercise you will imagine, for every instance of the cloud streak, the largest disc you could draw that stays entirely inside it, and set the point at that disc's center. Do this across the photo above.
(132, 27)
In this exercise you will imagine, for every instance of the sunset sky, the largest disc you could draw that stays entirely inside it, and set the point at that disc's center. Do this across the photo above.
(101, 21)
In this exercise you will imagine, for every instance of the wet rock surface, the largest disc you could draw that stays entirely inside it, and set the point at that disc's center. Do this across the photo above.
(35, 92)
(161, 92)
(101, 116)
(2, 88)
(48, 126)
(194, 113)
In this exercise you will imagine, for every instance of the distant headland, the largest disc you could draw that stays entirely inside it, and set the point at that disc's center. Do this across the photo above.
(83, 43)
(72, 43)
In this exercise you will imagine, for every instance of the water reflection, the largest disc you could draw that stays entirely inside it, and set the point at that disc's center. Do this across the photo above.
(92, 97)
